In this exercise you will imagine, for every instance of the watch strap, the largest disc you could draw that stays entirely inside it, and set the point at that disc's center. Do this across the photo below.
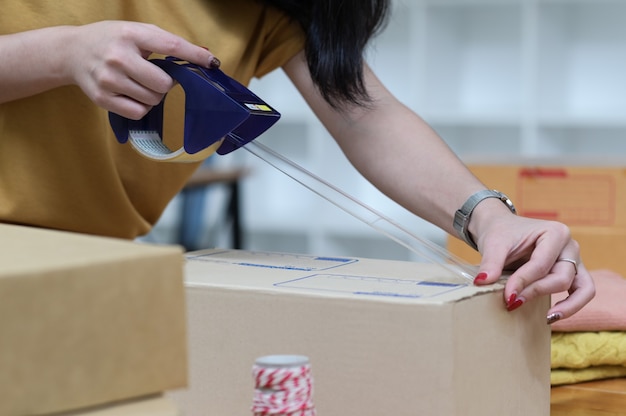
(462, 216)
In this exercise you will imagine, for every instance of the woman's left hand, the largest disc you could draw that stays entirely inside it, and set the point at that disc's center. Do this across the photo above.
(545, 260)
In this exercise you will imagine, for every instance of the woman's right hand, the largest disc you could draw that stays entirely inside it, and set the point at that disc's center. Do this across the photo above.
(107, 60)
(111, 67)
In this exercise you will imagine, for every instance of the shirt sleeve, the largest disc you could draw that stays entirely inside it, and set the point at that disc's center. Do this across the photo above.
(283, 39)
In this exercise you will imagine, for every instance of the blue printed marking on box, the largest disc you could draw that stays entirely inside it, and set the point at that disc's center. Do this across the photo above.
(283, 261)
(376, 286)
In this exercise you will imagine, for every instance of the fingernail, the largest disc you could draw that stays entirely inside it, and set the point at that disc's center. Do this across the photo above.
(553, 317)
(480, 277)
(511, 299)
(215, 63)
(516, 304)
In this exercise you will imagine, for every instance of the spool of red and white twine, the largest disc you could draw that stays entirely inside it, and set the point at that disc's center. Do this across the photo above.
(283, 386)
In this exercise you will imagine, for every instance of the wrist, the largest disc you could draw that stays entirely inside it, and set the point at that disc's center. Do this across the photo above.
(477, 209)
(52, 47)
(65, 60)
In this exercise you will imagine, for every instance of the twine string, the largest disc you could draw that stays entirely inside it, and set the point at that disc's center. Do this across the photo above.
(283, 391)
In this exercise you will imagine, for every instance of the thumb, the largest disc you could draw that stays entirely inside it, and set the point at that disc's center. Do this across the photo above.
(491, 265)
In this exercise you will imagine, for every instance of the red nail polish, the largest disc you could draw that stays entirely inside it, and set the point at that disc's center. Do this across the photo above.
(480, 277)
(511, 299)
(518, 302)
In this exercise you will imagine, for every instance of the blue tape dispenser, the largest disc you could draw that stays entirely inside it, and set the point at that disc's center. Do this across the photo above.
(221, 115)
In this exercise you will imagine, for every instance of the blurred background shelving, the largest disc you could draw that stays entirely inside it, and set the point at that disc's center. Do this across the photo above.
(495, 78)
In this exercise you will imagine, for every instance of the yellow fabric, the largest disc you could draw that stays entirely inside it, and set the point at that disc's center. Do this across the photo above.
(585, 356)
(60, 165)
(562, 376)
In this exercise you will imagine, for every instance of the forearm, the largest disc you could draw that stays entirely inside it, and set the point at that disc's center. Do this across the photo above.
(408, 161)
(34, 61)
(396, 151)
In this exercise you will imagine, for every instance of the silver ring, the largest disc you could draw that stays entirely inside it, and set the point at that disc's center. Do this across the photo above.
(571, 261)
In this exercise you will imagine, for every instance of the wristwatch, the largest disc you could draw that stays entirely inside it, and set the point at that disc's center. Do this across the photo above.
(463, 215)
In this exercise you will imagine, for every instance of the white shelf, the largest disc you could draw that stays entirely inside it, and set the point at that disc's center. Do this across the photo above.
(582, 59)
(467, 68)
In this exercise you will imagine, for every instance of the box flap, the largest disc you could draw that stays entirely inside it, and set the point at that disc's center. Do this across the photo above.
(347, 277)
(27, 249)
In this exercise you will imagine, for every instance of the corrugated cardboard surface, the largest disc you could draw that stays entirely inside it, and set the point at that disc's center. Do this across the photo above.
(149, 406)
(590, 199)
(87, 320)
(383, 337)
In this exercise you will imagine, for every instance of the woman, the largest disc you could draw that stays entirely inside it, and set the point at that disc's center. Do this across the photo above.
(65, 66)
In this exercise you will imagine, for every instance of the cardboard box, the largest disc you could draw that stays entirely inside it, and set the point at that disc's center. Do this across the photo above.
(151, 406)
(87, 320)
(383, 337)
(590, 197)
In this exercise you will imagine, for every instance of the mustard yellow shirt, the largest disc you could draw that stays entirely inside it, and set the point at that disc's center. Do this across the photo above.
(60, 164)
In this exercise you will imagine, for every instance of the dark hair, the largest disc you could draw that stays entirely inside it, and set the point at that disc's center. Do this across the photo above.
(337, 32)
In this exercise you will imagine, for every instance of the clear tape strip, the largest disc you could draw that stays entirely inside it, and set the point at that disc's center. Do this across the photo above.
(423, 248)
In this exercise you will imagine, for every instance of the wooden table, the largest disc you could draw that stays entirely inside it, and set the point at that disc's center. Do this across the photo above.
(594, 398)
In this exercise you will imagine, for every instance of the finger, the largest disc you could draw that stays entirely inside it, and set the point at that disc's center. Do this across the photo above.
(125, 106)
(491, 264)
(527, 282)
(159, 41)
(581, 292)
(559, 279)
(110, 85)
(138, 91)
(130, 74)
(146, 75)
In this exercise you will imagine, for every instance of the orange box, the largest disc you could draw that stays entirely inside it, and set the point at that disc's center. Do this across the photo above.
(590, 196)
(590, 199)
